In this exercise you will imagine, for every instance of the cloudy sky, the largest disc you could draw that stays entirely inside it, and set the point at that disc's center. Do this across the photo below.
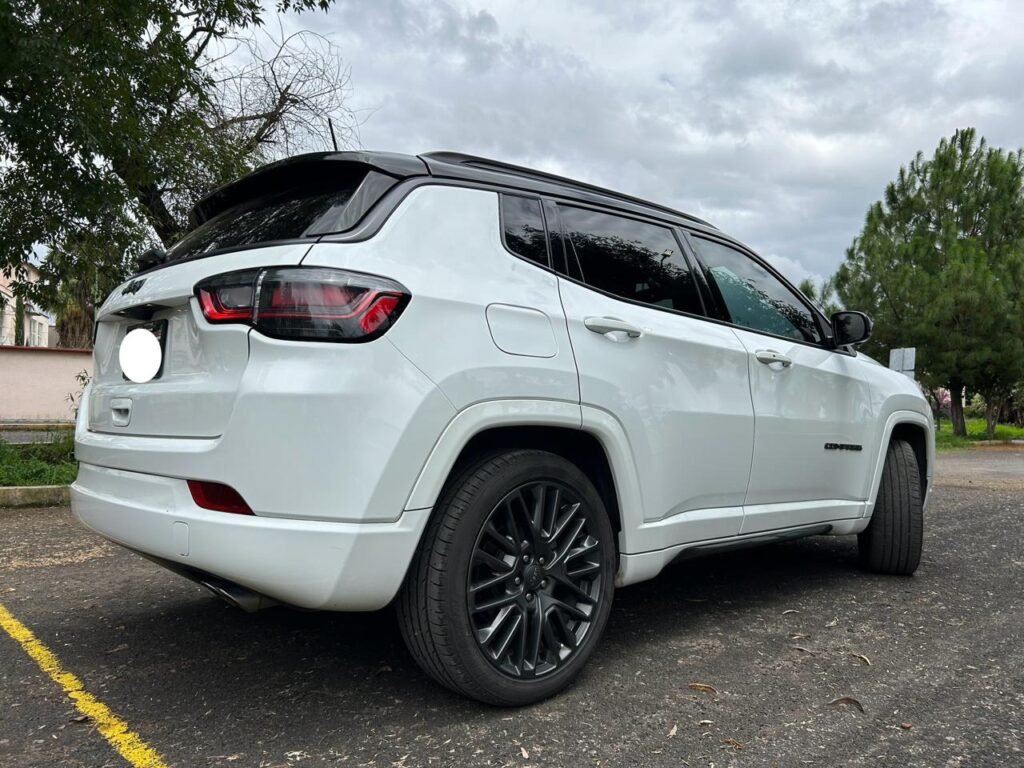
(780, 121)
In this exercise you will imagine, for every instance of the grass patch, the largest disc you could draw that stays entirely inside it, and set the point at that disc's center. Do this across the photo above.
(51, 463)
(946, 440)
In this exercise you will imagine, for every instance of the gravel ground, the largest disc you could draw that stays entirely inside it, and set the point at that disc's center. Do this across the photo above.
(936, 661)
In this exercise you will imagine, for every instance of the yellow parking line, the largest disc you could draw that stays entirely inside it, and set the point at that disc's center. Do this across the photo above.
(115, 730)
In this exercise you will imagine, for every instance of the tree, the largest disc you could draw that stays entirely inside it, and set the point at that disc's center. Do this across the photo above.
(940, 266)
(19, 321)
(122, 114)
(823, 295)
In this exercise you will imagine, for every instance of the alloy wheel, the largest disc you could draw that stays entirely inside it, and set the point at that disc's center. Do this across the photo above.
(535, 579)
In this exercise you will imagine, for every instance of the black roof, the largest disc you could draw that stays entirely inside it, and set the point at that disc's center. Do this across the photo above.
(471, 167)
(450, 165)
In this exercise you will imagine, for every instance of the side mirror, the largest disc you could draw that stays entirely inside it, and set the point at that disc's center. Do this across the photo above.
(850, 328)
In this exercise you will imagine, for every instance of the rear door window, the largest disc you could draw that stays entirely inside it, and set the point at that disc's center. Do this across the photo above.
(632, 259)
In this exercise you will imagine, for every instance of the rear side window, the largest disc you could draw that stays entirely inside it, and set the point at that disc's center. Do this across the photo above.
(753, 296)
(283, 215)
(522, 226)
(629, 258)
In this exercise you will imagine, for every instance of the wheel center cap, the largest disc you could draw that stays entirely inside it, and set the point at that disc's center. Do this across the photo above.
(532, 577)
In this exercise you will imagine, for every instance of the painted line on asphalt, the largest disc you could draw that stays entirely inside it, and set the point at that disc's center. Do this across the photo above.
(126, 742)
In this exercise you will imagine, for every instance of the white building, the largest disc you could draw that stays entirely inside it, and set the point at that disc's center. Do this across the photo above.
(37, 324)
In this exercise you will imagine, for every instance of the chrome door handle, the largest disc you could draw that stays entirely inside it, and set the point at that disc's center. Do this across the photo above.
(606, 325)
(770, 356)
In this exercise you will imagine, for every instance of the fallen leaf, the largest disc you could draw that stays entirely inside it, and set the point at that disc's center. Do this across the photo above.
(526, 755)
(119, 648)
(833, 623)
(81, 719)
(737, 745)
(703, 688)
(906, 726)
(847, 700)
(799, 637)
(804, 650)
(706, 722)
(862, 657)
(382, 669)
(791, 610)
(672, 731)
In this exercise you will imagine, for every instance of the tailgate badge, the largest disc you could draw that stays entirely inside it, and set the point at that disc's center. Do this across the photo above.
(133, 287)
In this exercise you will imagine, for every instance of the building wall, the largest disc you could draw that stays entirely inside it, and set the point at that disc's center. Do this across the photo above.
(35, 382)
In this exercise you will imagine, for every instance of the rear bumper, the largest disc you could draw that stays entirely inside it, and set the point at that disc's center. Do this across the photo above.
(311, 564)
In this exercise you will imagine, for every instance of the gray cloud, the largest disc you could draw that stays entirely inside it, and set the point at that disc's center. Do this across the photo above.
(780, 121)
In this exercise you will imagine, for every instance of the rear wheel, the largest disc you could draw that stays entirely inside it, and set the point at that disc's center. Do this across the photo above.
(512, 584)
(892, 541)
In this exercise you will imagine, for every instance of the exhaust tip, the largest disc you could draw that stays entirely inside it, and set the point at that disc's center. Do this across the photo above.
(238, 596)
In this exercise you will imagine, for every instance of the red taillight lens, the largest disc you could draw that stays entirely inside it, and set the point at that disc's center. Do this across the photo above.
(309, 303)
(218, 497)
(228, 298)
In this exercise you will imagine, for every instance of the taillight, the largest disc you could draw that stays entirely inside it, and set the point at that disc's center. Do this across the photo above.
(218, 497)
(308, 303)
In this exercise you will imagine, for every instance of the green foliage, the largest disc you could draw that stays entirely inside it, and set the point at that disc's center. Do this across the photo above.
(49, 463)
(977, 432)
(939, 266)
(112, 122)
(975, 409)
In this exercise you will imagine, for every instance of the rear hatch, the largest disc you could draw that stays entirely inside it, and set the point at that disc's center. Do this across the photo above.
(270, 218)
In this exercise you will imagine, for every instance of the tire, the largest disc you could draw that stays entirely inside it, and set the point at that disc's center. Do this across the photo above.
(493, 604)
(892, 541)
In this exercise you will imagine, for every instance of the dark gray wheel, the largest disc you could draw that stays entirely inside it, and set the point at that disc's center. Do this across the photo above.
(892, 541)
(512, 585)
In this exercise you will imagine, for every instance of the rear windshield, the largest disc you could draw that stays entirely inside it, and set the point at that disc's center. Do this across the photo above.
(284, 215)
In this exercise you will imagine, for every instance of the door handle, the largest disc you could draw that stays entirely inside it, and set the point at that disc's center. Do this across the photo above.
(770, 356)
(606, 325)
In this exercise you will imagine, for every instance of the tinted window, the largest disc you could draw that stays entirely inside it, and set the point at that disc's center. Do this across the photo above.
(630, 258)
(282, 216)
(753, 296)
(523, 227)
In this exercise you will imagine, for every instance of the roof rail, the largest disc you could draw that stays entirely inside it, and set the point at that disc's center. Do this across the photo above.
(458, 158)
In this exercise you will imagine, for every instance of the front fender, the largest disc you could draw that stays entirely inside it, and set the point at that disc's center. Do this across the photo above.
(895, 419)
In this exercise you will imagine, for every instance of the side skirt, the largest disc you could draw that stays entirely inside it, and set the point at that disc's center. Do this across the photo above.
(646, 565)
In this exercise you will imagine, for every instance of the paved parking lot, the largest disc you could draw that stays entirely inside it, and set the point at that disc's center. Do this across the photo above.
(936, 662)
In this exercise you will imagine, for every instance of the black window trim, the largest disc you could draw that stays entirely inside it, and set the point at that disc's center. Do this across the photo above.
(543, 223)
(826, 342)
(671, 227)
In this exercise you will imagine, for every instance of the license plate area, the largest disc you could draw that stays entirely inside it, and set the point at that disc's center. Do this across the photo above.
(159, 329)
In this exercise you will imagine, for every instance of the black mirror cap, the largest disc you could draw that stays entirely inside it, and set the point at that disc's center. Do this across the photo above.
(850, 327)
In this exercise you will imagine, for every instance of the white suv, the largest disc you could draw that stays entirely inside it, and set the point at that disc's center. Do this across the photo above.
(487, 394)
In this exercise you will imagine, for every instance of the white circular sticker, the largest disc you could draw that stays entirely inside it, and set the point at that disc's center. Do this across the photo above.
(140, 355)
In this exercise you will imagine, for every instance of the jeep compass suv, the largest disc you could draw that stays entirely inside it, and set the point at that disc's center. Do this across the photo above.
(486, 394)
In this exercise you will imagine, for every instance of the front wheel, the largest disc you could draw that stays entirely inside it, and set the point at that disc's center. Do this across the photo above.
(892, 541)
(512, 584)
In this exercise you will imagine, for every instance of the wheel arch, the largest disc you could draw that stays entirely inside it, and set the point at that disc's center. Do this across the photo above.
(556, 427)
(916, 429)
